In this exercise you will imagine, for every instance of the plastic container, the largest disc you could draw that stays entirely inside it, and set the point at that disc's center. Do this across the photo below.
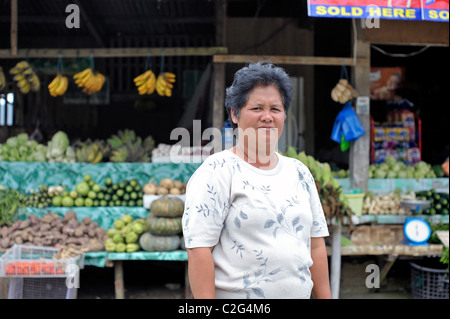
(429, 283)
(355, 202)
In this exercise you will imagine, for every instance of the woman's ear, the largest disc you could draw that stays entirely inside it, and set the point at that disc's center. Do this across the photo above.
(233, 117)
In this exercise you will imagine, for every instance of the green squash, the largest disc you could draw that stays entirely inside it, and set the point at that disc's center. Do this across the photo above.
(149, 242)
(167, 206)
(164, 226)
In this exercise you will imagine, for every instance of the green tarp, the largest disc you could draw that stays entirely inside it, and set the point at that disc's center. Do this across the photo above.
(24, 176)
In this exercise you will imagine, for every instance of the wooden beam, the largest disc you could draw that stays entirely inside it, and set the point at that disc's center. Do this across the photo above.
(114, 20)
(296, 60)
(111, 52)
(14, 27)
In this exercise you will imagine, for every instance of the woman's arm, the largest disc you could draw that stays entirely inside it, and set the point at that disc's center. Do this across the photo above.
(201, 272)
(319, 269)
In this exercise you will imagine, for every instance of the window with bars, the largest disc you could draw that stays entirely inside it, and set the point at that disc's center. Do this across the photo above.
(7, 109)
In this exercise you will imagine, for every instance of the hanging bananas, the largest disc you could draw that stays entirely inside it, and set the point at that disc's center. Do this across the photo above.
(164, 84)
(88, 80)
(2, 79)
(343, 92)
(25, 77)
(58, 86)
(145, 82)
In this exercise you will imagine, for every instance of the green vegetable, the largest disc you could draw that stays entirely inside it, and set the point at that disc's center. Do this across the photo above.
(121, 248)
(58, 144)
(10, 205)
(131, 238)
(127, 219)
(132, 247)
(445, 257)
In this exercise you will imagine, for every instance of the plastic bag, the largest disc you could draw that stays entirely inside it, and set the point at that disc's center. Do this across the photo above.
(347, 127)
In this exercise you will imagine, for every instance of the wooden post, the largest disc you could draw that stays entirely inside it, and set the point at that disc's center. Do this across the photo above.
(219, 73)
(14, 27)
(118, 280)
(218, 102)
(335, 276)
(360, 149)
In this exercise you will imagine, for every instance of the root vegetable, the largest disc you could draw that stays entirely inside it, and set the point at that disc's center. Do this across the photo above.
(70, 215)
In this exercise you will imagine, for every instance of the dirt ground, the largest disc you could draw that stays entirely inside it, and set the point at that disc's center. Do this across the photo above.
(165, 280)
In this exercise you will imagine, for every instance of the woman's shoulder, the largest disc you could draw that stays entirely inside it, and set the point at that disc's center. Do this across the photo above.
(217, 161)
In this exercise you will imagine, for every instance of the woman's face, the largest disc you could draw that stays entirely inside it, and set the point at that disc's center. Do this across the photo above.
(262, 117)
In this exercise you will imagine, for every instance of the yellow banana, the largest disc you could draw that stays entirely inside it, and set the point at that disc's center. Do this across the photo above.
(142, 77)
(35, 83)
(2, 79)
(168, 92)
(28, 71)
(82, 80)
(55, 81)
(25, 88)
(82, 73)
(61, 89)
(19, 77)
(22, 65)
(169, 75)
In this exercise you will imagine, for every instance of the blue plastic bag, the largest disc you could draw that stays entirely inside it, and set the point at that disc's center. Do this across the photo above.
(347, 127)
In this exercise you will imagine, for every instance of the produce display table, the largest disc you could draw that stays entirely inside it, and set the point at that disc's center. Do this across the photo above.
(386, 185)
(392, 253)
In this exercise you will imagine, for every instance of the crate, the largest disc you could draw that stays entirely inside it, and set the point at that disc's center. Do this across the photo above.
(429, 283)
(35, 275)
(36, 261)
(355, 202)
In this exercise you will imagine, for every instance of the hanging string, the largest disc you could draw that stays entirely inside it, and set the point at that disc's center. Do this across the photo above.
(148, 64)
(162, 63)
(59, 64)
(344, 74)
(91, 61)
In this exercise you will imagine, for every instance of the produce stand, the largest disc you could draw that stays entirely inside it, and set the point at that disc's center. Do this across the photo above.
(25, 176)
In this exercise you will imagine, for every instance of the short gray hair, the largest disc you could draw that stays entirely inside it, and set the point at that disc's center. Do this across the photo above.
(251, 76)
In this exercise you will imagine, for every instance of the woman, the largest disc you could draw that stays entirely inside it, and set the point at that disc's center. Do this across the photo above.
(253, 223)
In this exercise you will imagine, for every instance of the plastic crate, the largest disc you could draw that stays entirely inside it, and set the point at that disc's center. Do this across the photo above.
(35, 275)
(429, 283)
(36, 261)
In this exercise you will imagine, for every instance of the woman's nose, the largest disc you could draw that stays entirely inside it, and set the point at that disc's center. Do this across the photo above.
(266, 116)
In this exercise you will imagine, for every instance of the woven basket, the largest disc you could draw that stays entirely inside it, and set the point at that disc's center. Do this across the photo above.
(429, 283)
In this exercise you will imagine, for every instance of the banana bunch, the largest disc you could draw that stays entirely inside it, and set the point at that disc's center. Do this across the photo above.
(25, 77)
(58, 86)
(343, 92)
(88, 80)
(164, 84)
(2, 79)
(145, 82)
(90, 152)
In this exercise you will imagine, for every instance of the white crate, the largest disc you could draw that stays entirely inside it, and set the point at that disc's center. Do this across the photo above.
(36, 261)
